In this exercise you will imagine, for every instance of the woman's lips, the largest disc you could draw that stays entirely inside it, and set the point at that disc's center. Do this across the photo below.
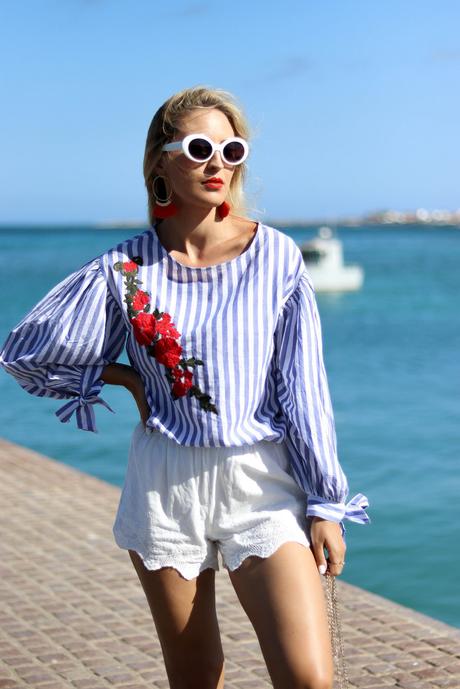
(213, 183)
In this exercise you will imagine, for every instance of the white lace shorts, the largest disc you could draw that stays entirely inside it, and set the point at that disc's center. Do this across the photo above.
(182, 505)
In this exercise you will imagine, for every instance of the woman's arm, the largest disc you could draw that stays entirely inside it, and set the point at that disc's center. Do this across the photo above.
(304, 397)
(60, 348)
(128, 377)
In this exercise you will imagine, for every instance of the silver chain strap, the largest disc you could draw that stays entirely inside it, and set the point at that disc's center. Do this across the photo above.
(335, 628)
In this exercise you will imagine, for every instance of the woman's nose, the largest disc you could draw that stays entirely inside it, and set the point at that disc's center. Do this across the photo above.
(216, 160)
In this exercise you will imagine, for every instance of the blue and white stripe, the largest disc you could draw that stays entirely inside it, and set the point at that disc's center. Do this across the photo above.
(253, 321)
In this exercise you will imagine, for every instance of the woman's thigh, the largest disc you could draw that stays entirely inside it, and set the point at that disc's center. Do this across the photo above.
(284, 600)
(184, 613)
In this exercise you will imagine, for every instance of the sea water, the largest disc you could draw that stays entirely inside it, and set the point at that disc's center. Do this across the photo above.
(392, 354)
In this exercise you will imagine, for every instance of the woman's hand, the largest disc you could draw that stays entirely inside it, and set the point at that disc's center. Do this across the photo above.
(326, 534)
(120, 374)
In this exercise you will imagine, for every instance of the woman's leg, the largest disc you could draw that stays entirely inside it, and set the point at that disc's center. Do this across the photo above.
(184, 613)
(284, 600)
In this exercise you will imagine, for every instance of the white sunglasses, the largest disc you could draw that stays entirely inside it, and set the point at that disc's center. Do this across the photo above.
(200, 148)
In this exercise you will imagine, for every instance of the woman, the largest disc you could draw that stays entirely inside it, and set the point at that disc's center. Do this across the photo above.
(236, 449)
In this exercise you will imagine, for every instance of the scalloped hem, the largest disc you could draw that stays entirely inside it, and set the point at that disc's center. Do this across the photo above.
(187, 570)
(261, 550)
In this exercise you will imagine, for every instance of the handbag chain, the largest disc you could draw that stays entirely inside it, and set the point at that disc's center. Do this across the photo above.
(335, 628)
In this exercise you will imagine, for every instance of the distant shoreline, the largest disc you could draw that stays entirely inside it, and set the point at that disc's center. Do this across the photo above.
(291, 225)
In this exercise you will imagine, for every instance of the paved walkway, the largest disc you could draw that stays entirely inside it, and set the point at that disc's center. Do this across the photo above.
(73, 616)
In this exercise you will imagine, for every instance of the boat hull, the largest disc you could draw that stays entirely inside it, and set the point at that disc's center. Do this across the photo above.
(346, 279)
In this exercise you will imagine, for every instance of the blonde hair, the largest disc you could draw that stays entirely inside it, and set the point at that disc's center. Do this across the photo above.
(166, 122)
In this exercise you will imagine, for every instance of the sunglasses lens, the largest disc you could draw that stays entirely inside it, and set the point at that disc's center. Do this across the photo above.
(200, 149)
(234, 152)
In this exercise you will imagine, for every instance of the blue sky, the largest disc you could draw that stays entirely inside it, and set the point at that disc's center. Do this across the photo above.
(354, 105)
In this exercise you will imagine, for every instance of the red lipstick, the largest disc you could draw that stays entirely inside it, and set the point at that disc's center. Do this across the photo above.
(213, 180)
(215, 183)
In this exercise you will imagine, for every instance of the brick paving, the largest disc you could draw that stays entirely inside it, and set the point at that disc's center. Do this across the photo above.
(73, 615)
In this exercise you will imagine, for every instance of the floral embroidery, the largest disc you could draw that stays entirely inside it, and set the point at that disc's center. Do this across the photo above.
(158, 334)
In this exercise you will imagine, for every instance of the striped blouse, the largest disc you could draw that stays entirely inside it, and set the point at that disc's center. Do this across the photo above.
(252, 325)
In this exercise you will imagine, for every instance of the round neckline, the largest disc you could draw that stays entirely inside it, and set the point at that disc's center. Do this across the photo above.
(235, 259)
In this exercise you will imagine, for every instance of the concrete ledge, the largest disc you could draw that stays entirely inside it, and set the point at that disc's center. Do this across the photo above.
(73, 615)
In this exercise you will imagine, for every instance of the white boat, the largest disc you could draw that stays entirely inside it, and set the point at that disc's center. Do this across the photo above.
(323, 258)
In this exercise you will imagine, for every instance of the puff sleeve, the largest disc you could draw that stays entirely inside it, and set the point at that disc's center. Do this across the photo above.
(61, 347)
(303, 393)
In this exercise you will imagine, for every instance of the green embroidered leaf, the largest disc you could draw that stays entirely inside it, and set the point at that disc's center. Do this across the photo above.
(188, 362)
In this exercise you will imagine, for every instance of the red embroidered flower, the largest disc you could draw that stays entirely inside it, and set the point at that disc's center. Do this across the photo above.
(144, 326)
(180, 388)
(166, 327)
(177, 372)
(140, 299)
(167, 351)
(157, 332)
(130, 266)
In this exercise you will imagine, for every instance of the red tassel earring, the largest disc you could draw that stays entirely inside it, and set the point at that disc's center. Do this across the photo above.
(223, 210)
(164, 207)
(164, 210)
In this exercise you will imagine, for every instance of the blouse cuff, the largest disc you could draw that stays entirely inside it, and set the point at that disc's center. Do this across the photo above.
(354, 510)
(84, 402)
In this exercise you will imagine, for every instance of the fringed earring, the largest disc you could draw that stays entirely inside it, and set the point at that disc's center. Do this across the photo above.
(164, 207)
(223, 210)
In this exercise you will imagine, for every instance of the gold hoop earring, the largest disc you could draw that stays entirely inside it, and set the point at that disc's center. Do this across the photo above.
(164, 207)
(161, 198)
